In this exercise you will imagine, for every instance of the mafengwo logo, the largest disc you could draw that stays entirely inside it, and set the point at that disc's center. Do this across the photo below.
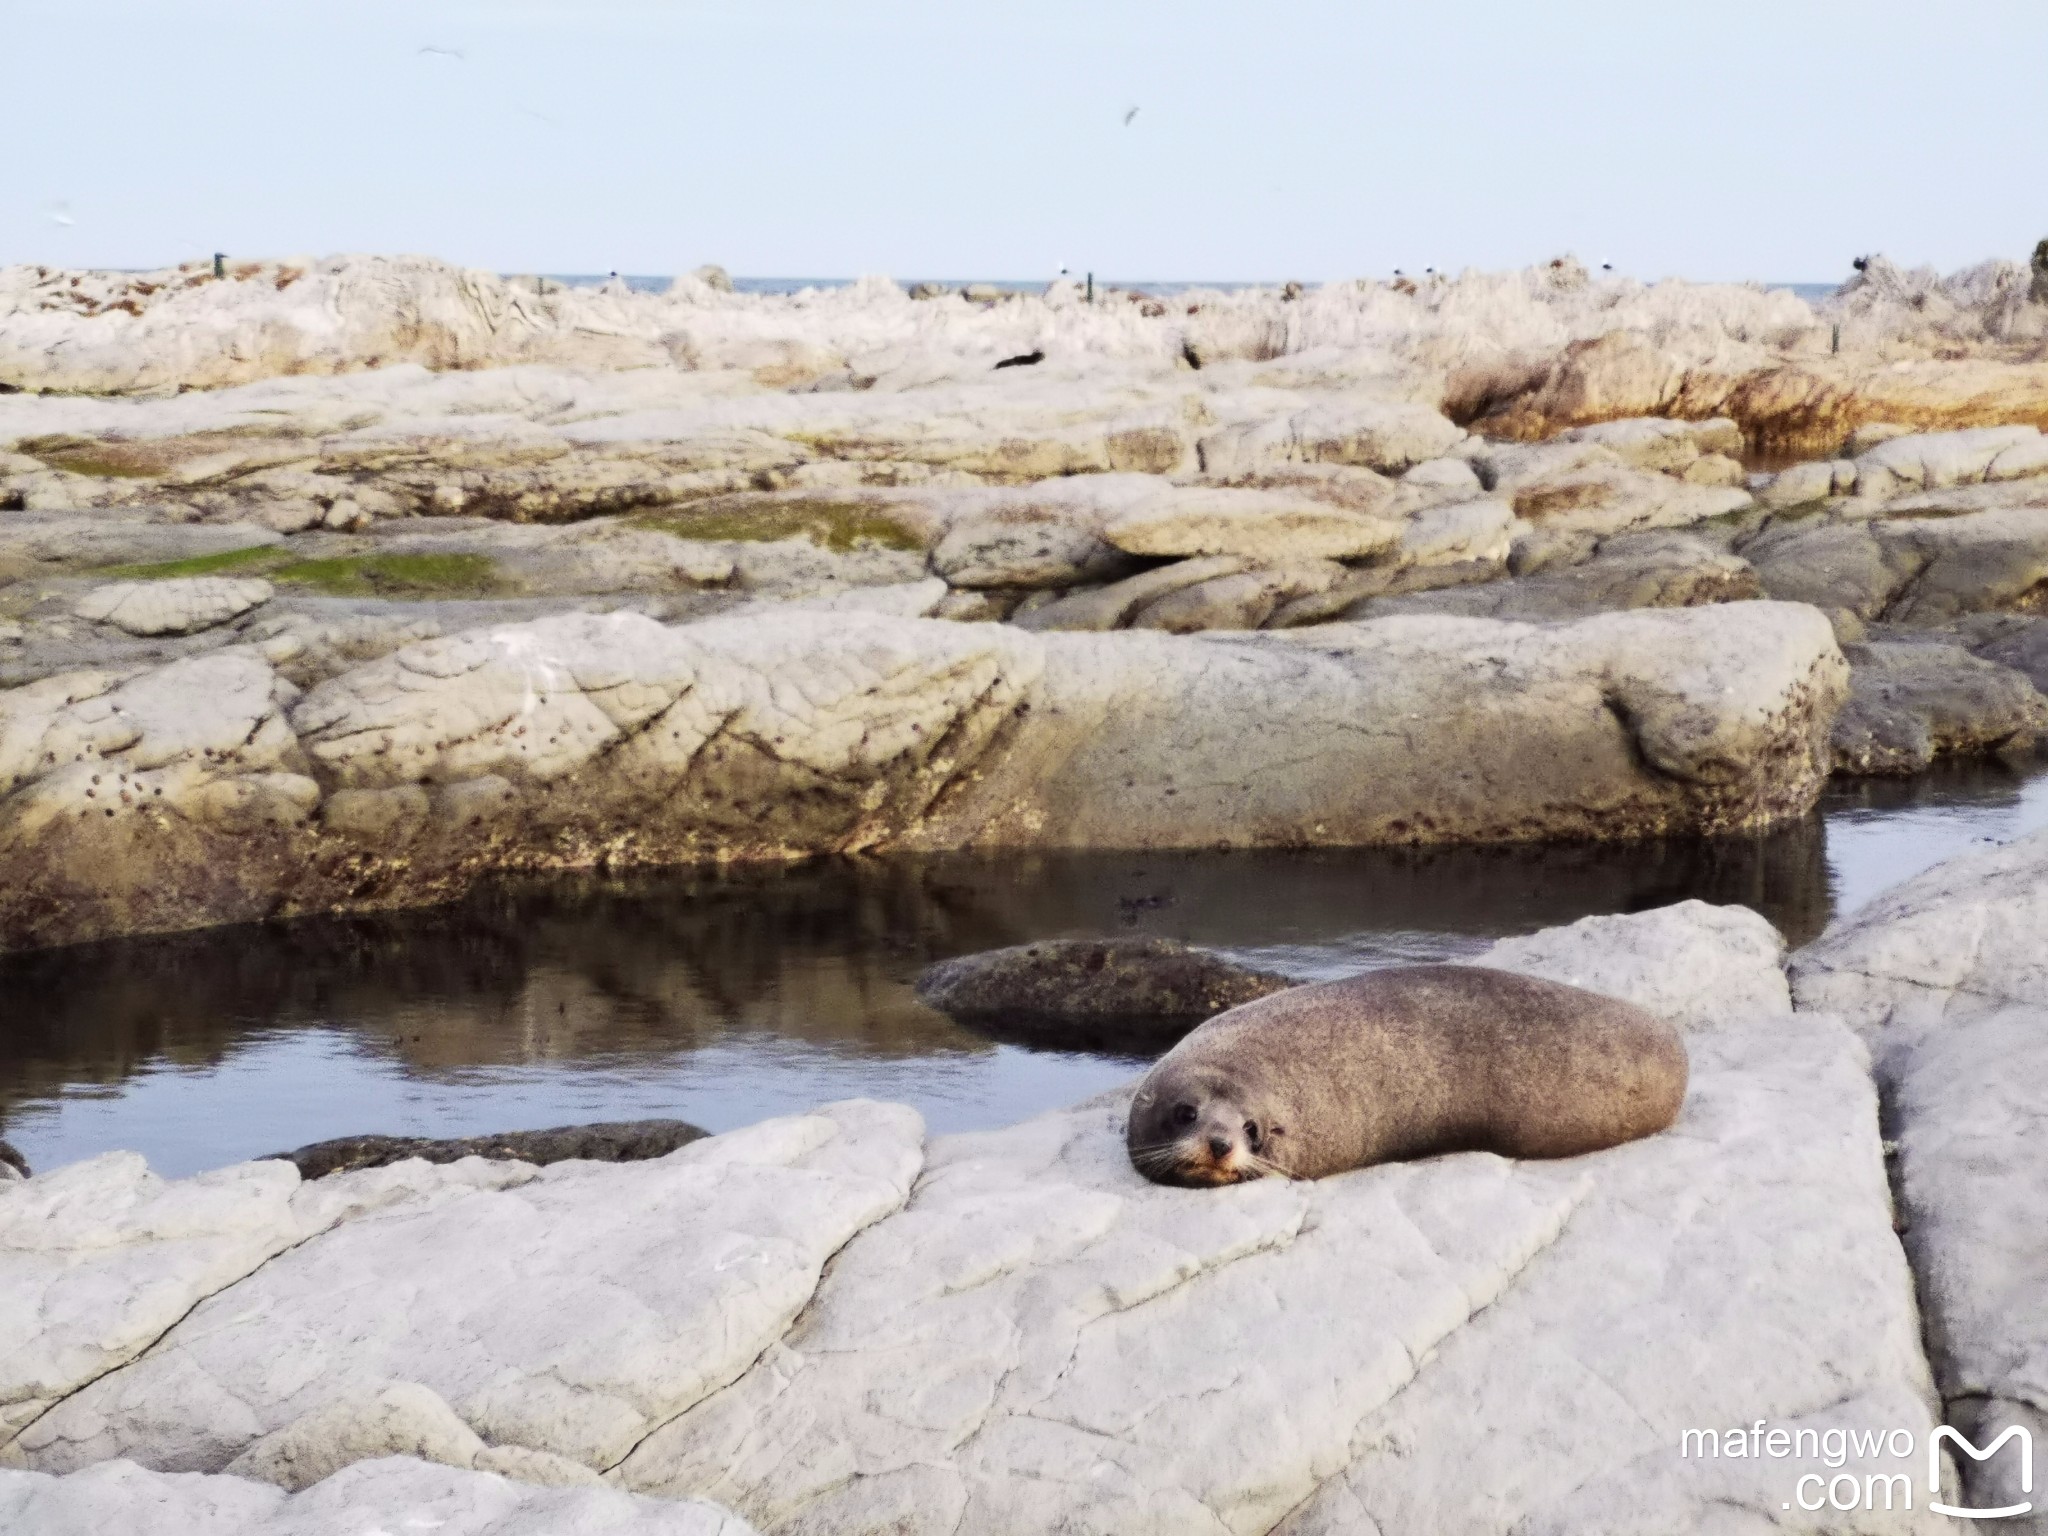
(1843, 1488)
(1964, 1447)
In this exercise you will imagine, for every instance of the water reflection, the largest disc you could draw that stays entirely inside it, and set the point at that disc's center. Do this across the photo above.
(722, 996)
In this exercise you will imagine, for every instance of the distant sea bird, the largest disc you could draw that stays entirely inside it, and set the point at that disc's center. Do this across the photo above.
(60, 213)
(1129, 115)
(446, 53)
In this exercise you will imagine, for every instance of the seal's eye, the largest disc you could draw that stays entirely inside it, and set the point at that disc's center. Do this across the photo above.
(1251, 1134)
(1183, 1114)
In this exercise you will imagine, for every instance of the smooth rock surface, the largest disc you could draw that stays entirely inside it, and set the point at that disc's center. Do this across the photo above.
(1257, 525)
(1041, 1340)
(1947, 975)
(177, 607)
(504, 1335)
(395, 1494)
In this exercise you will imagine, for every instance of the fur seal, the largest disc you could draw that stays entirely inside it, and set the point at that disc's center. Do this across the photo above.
(1404, 1063)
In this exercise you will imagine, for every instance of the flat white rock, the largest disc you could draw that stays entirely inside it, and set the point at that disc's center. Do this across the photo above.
(570, 1314)
(179, 606)
(1042, 1341)
(394, 1494)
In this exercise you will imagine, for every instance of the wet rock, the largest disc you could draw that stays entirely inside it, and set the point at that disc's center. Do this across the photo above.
(12, 1164)
(1910, 703)
(623, 1141)
(1125, 993)
(386, 1494)
(176, 607)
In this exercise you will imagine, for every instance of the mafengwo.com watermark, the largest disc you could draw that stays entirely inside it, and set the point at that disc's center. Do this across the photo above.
(1843, 1481)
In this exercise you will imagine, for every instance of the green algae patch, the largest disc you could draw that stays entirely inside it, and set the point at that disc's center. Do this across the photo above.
(249, 561)
(428, 575)
(840, 526)
(453, 575)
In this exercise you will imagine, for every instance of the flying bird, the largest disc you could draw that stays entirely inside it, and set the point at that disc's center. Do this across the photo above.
(1129, 115)
(446, 53)
(60, 213)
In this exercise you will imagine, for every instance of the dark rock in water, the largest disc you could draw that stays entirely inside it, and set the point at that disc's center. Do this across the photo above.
(623, 1141)
(11, 1159)
(2014, 640)
(1911, 702)
(1136, 994)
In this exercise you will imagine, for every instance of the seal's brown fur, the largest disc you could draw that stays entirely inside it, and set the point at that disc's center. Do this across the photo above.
(1404, 1063)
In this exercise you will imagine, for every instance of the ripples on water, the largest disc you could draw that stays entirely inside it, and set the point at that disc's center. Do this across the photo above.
(722, 997)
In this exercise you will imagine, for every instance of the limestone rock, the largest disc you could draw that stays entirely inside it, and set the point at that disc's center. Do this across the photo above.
(1651, 570)
(1803, 484)
(1329, 729)
(1025, 554)
(1127, 991)
(1910, 703)
(1368, 433)
(1241, 601)
(1945, 974)
(1255, 525)
(207, 790)
(1910, 570)
(1698, 966)
(178, 607)
(1454, 479)
(1604, 500)
(1958, 939)
(1458, 532)
(624, 1141)
(1972, 1161)
(1928, 460)
(1109, 607)
(100, 1258)
(2021, 643)
(394, 1493)
(1661, 444)
(503, 1334)
(1041, 1340)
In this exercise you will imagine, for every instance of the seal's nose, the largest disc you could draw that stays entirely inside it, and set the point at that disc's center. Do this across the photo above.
(1219, 1146)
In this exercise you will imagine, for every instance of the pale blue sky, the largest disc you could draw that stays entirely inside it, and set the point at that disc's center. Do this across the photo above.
(1289, 138)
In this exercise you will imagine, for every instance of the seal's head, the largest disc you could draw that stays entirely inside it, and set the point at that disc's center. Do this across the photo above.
(1195, 1126)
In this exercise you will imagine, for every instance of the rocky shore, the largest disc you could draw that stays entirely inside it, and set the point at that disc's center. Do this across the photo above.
(337, 585)
(833, 1322)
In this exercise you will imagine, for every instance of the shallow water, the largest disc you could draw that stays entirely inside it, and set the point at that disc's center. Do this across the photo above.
(723, 997)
